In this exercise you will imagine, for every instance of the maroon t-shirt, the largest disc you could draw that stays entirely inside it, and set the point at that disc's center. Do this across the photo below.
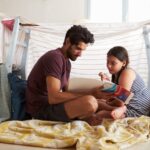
(53, 63)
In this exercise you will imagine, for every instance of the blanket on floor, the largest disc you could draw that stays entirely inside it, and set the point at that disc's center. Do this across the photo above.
(109, 135)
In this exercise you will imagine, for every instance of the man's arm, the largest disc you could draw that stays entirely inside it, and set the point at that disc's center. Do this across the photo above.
(55, 96)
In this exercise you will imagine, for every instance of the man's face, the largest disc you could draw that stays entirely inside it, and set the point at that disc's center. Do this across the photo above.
(75, 51)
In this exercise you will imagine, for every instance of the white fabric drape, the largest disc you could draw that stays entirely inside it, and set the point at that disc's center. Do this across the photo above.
(51, 36)
(4, 94)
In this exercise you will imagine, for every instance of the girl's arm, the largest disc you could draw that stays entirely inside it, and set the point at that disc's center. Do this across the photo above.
(126, 78)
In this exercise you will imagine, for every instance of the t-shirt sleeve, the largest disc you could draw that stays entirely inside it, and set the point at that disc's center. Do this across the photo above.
(53, 66)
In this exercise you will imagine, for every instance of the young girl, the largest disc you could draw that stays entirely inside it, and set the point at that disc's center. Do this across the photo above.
(117, 64)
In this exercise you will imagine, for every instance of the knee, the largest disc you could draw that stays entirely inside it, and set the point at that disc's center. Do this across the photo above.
(91, 103)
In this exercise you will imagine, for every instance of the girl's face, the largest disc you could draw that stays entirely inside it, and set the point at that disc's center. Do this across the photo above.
(114, 65)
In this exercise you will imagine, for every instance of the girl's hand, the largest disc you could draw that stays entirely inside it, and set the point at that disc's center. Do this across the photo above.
(103, 76)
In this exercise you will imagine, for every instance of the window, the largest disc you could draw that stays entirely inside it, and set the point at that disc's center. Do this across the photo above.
(119, 10)
(105, 10)
(139, 10)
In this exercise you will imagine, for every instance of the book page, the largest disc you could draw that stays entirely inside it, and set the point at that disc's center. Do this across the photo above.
(76, 84)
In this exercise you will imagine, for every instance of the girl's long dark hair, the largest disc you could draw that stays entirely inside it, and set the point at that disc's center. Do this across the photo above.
(120, 53)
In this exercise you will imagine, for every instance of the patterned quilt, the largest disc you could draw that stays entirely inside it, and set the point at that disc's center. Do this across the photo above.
(110, 135)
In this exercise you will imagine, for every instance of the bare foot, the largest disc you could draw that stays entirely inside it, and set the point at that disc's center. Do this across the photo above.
(115, 102)
(92, 120)
(96, 119)
(103, 114)
(105, 106)
(118, 113)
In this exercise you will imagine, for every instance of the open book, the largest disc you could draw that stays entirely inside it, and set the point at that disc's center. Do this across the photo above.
(119, 92)
(83, 84)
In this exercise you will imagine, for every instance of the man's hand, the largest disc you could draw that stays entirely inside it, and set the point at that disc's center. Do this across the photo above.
(98, 94)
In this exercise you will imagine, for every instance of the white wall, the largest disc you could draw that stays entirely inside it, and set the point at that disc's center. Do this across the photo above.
(45, 10)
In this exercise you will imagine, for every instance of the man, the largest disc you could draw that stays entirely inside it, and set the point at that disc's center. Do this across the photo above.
(47, 97)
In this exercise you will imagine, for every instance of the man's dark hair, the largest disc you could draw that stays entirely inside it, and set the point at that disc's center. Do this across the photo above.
(77, 34)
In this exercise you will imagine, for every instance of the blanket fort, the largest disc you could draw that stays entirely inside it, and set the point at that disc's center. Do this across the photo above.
(118, 134)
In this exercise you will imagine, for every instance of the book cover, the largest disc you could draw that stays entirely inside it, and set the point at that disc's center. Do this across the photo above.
(119, 92)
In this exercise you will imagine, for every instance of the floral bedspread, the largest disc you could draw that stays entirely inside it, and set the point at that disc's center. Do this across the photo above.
(111, 135)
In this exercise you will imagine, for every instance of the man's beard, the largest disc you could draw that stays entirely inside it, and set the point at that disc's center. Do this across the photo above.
(70, 56)
(73, 58)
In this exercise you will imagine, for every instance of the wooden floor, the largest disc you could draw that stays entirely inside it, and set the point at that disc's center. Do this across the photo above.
(142, 146)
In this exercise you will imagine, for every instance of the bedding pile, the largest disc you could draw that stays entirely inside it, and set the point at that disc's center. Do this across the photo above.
(118, 134)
